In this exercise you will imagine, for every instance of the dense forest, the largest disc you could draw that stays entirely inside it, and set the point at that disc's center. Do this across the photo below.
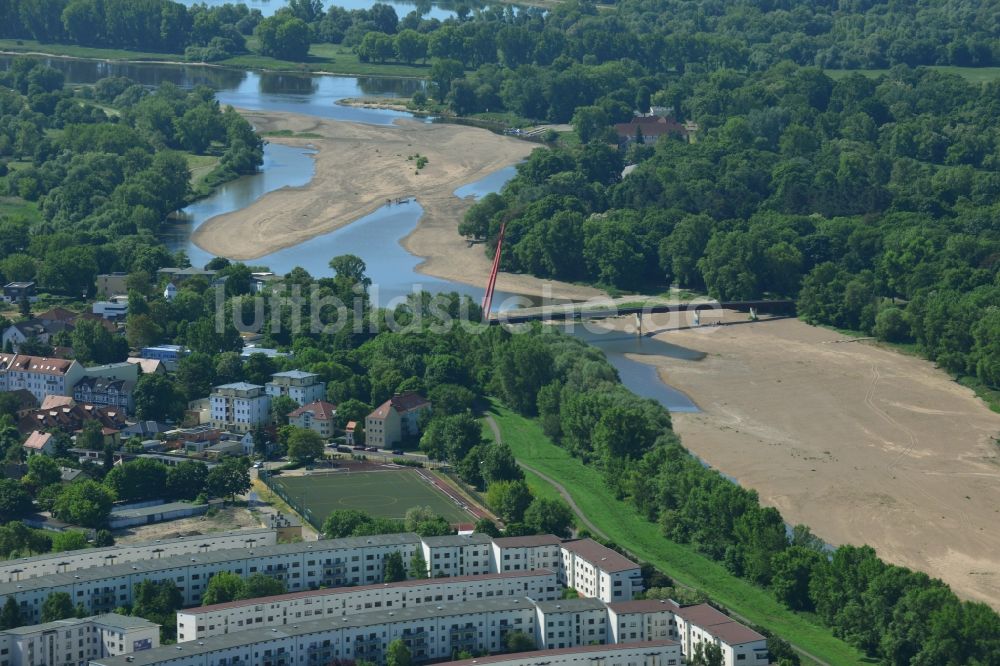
(103, 166)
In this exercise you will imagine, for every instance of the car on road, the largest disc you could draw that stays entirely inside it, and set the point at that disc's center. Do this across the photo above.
(398, 452)
(372, 448)
(258, 465)
(359, 448)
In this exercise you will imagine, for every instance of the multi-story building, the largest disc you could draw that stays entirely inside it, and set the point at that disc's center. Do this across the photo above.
(41, 376)
(169, 355)
(281, 610)
(597, 571)
(109, 284)
(14, 292)
(457, 555)
(77, 641)
(659, 653)
(317, 416)
(571, 622)
(302, 387)
(542, 551)
(105, 392)
(239, 406)
(395, 419)
(741, 645)
(114, 309)
(25, 568)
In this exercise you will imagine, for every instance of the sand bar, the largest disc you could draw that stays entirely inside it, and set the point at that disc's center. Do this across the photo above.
(861, 443)
(358, 169)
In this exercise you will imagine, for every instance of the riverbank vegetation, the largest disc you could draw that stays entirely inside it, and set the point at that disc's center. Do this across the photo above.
(104, 183)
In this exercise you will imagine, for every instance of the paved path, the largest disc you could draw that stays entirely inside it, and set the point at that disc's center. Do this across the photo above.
(594, 529)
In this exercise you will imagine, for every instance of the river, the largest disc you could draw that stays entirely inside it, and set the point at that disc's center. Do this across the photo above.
(390, 266)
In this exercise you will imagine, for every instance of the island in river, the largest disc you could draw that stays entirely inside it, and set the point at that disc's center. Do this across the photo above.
(361, 167)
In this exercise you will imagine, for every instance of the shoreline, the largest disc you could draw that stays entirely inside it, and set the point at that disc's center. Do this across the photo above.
(859, 442)
(359, 167)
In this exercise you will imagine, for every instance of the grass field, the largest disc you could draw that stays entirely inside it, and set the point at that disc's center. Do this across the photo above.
(644, 539)
(973, 74)
(385, 494)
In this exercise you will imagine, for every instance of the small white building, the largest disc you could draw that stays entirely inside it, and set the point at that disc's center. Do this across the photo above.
(525, 553)
(77, 640)
(170, 291)
(597, 571)
(317, 416)
(114, 308)
(239, 407)
(457, 555)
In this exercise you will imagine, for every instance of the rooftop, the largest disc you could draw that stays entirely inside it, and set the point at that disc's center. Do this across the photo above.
(600, 556)
(239, 386)
(320, 409)
(402, 403)
(717, 623)
(150, 510)
(528, 541)
(108, 619)
(571, 605)
(542, 655)
(362, 588)
(295, 374)
(644, 606)
(457, 540)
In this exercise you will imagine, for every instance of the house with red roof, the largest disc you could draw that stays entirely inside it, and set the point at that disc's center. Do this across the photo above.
(395, 419)
(39, 442)
(39, 375)
(317, 416)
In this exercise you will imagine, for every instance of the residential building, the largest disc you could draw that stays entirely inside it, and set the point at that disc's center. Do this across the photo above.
(395, 419)
(284, 609)
(349, 431)
(317, 416)
(71, 416)
(178, 275)
(147, 366)
(457, 555)
(130, 516)
(659, 653)
(542, 551)
(112, 283)
(170, 291)
(115, 308)
(597, 571)
(302, 387)
(650, 128)
(77, 641)
(741, 646)
(107, 392)
(25, 568)
(17, 334)
(26, 402)
(239, 406)
(42, 376)
(39, 443)
(642, 620)
(14, 292)
(570, 622)
(250, 350)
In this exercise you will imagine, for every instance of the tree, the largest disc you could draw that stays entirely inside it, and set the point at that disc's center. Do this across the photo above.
(138, 480)
(418, 566)
(157, 398)
(186, 480)
(589, 121)
(443, 72)
(14, 500)
(68, 540)
(498, 464)
(57, 606)
(518, 641)
(397, 654)
(284, 36)
(488, 527)
(222, 587)
(281, 407)
(410, 47)
(509, 499)
(196, 375)
(229, 479)
(85, 503)
(451, 437)
(549, 516)
(94, 344)
(343, 523)
(304, 445)
(395, 571)
(157, 601)
(10, 615)
(91, 436)
(103, 539)
(42, 471)
(261, 585)
(707, 653)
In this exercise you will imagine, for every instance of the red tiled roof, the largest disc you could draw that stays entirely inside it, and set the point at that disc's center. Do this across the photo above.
(734, 633)
(652, 126)
(540, 655)
(361, 588)
(57, 314)
(402, 403)
(600, 556)
(321, 409)
(36, 364)
(528, 541)
(37, 440)
(703, 615)
(352, 426)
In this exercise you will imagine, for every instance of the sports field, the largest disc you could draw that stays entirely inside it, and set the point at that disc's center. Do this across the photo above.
(386, 494)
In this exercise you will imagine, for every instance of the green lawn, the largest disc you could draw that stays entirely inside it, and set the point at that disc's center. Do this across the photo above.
(385, 494)
(973, 74)
(644, 540)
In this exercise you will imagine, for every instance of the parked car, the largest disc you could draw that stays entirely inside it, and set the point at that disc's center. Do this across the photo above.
(359, 448)
(398, 452)
(344, 449)
(372, 448)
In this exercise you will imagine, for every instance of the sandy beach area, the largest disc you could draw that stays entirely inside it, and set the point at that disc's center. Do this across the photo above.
(358, 169)
(863, 444)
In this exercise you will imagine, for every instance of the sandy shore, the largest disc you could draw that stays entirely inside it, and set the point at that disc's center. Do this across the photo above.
(358, 168)
(861, 443)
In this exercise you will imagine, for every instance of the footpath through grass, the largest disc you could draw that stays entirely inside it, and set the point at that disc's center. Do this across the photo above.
(645, 541)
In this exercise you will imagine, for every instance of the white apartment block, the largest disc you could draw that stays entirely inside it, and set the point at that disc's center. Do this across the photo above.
(281, 610)
(300, 566)
(302, 387)
(239, 407)
(42, 565)
(525, 553)
(41, 376)
(597, 571)
(457, 555)
(75, 642)
(571, 622)
(431, 632)
(658, 653)
(741, 645)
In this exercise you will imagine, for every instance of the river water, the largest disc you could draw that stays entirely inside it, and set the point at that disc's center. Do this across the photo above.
(376, 237)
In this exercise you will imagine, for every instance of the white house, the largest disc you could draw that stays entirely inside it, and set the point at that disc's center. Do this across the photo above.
(41, 376)
(597, 571)
(239, 406)
(77, 640)
(170, 291)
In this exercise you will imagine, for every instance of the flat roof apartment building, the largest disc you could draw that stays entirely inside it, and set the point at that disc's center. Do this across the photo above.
(239, 407)
(77, 641)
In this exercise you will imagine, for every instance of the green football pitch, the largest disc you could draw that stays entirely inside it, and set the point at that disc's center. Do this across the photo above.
(385, 494)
